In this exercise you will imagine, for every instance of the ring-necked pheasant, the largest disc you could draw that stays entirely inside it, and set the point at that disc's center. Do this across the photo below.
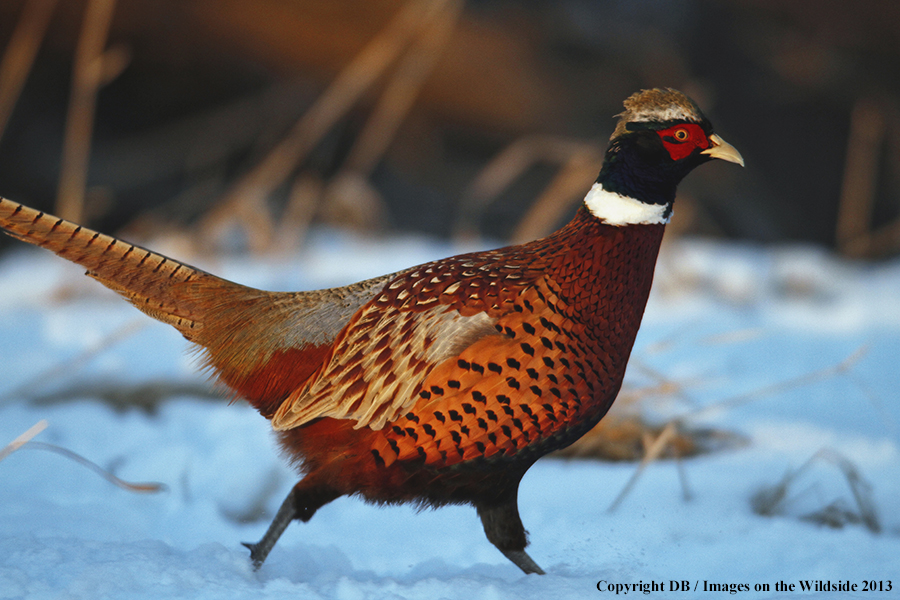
(443, 383)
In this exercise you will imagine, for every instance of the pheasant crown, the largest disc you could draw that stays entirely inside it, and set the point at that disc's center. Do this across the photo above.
(659, 106)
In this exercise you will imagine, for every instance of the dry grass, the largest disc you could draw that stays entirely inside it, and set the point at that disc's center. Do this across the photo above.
(144, 488)
(872, 123)
(26, 389)
(424, 24)
(630, 437)
(25, 441)
(119, 396)
(20, 54)
(777, 499)
(23, 438)
(94, 68)
(835, 370)
(579, 164)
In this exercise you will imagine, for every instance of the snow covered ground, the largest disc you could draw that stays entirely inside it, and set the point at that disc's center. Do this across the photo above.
(729, 323)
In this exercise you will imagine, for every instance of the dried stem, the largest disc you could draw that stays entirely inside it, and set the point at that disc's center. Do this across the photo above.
(20, 53)
(149, 487)
(654, 450)
(403, 89)
(782, 386)
(771, 500)
(249, 194)
(567, 187)
(92, 70)
(509, 165)
(303, 201)
(864, 146)
(23, 439)
(72, 364)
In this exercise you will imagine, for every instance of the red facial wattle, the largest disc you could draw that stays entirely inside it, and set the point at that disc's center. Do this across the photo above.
(681, 140)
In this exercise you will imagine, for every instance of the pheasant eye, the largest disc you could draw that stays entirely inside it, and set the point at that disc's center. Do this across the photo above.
(681, 135)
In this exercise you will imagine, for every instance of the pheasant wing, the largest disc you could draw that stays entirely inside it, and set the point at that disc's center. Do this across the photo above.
(421, 318)
(378, 364)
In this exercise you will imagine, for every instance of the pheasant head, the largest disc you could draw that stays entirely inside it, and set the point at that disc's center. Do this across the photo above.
(660, 138)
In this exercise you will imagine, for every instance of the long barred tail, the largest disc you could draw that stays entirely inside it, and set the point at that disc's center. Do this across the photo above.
(256, 342)
(157, 285)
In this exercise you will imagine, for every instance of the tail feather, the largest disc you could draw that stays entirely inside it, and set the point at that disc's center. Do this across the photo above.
(152, 282)
(263, 345)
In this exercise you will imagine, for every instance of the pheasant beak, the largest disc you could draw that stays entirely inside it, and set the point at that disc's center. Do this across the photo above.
(719, 148)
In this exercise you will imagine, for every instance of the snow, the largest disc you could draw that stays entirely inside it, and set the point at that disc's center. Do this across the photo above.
(742, 330)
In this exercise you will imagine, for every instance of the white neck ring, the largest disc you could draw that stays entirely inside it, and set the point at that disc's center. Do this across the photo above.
(616, 209)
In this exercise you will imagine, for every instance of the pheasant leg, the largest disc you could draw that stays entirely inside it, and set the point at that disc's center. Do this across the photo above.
(504, 530)
(301, 503)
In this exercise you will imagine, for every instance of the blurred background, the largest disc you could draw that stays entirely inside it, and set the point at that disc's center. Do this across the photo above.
(241, 124)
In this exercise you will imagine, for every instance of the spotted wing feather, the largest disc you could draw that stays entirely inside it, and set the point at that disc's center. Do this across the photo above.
(378, 364)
